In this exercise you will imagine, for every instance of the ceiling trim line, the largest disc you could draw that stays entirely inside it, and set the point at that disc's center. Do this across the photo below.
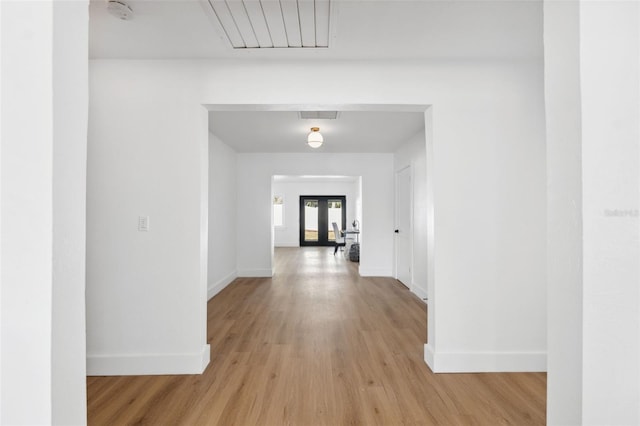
(319, 107)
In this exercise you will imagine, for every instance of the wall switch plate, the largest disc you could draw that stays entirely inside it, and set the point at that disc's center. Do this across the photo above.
(143, 223)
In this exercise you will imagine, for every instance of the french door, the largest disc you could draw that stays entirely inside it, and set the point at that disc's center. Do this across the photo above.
(317, 213)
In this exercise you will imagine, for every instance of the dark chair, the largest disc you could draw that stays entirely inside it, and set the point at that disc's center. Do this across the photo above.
(340, 241)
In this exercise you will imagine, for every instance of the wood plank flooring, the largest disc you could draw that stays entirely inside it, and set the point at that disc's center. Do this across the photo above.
(317, 345)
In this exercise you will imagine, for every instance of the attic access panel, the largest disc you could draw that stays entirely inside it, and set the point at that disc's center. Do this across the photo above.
(265, 24)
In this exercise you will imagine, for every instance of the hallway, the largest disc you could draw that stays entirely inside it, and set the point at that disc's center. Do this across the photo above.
(317, 345)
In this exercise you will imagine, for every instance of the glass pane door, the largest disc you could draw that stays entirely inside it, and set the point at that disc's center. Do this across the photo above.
(335, 215)
(310, 220)
(317, 214)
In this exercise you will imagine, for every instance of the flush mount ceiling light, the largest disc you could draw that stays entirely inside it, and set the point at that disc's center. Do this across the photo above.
(315, 139)
(120, 10)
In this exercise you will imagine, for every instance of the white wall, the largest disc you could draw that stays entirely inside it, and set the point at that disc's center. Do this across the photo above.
(289, 234)
(44, 121)
(71, 100)
(489, 225)
(254, 223)
(27, 222)
(610, 73)
(222, 215)
(593, 109)
(413, 154)
(488, 188)
(564, 213)
(147, 156)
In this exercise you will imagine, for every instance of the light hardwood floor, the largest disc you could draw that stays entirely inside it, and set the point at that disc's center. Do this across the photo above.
(317, 345)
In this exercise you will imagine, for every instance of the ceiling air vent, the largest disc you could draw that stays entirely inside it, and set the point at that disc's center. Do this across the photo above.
(255, 24)
(322, 115)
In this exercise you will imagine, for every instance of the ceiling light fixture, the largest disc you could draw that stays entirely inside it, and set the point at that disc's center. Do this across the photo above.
(315, 139)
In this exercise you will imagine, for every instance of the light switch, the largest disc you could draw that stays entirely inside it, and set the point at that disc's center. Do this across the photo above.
(143, 223)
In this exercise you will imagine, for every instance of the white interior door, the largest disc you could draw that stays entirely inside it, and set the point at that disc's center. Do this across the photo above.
(403, 226)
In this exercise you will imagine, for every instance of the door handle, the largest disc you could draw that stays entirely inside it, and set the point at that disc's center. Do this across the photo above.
(397, 231)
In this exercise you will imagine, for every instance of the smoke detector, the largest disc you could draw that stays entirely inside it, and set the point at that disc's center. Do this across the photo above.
(120, 9)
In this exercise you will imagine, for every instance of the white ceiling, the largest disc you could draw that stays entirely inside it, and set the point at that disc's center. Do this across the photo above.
(360, 29)
(284, 131)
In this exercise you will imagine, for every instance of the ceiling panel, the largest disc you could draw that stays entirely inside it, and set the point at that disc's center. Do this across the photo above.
(323, 13)
(275, 22)
(258, 23)
(291, 22)
(303, 19)
(307, 15)
(327, 115)
(226, 20)
(242, 22)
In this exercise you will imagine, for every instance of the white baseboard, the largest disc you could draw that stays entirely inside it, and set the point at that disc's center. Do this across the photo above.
(296, 244)
(375, 272)
(420, 292)
(218, 286)
(428, 356)
(255, 273)
(485, 362)
(148, 364)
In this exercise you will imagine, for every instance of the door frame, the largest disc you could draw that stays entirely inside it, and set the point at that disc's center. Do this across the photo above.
(323, 219)
(387, 105)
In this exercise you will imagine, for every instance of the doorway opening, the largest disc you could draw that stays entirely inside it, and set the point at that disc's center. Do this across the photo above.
(284, 159)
